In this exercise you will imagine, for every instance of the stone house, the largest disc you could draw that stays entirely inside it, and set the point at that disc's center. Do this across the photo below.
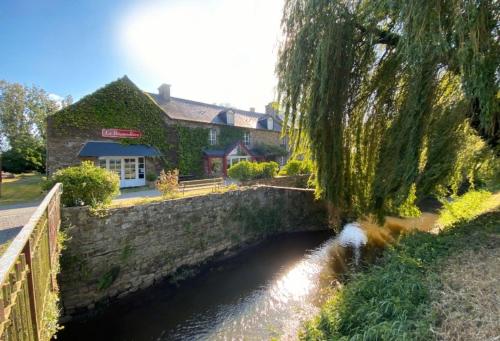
(133, 133)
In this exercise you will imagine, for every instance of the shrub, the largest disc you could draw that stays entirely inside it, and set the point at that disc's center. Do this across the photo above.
(168, 182)
(150, 177)
(269, 169)
(242, 171)
(86, 184)
(297, 167)
(245, 170)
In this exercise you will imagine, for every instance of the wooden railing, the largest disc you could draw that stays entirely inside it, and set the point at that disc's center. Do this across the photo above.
(28, 271)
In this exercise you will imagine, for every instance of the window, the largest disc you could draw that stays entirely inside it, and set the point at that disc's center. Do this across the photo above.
(246, 138)
(115, 165)
(141, 168)
(212, 138)
(270, 123)
(101, 163)
(230, 117)
(129, 169)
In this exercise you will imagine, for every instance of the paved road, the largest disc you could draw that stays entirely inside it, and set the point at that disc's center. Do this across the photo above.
(13, 218)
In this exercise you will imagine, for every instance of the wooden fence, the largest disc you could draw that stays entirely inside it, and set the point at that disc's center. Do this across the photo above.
(28, 271)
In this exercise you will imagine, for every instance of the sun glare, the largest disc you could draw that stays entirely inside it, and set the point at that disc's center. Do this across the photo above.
(216, 51)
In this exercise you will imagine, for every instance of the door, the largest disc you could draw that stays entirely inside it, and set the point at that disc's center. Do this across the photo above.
(131, 170)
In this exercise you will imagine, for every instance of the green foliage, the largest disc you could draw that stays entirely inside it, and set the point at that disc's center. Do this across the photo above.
(23, 113)
(269, 150)
(192, 141)
(151, 176)
(296, 167)
(268, 170)
(119, 104)
(392, 300)
(466, 207)
(168, 183)
(408, 208)
(108, 278)
(245, 170)
(389, 94)
(86, 184)
(26, 155)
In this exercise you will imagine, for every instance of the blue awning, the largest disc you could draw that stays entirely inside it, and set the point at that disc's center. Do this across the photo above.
(96, 149)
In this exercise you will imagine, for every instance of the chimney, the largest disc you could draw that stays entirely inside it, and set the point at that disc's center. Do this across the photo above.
(252, 109)
(164, 92)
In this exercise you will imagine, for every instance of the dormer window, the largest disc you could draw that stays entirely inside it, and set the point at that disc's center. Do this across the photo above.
(270, 123)
(230, 117)
(246, 138)
(212, 137)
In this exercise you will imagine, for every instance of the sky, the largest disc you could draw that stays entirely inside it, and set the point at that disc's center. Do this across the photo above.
(214, 51)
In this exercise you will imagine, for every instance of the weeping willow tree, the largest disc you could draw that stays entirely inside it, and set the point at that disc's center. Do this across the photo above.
(393, 98)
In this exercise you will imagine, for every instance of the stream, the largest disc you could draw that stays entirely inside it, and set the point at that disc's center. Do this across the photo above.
(264, 292)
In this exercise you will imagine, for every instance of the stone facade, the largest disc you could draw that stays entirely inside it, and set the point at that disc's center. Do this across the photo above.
(63, 148)
(131, 248)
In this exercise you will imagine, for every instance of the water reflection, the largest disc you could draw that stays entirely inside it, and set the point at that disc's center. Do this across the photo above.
(263, 293)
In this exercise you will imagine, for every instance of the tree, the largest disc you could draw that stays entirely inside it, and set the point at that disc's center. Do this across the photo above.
(23, 113)
(390, 95)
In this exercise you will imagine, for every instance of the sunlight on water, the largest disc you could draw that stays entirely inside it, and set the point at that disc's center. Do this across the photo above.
(274, 310)
(279, 308)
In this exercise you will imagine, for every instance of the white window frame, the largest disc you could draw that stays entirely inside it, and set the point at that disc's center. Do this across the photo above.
(135, 182)
(232, 160)
(212, 136)
(247, 138)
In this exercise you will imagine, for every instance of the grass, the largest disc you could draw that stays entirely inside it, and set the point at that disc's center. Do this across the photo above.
(401, 296)
(468, 206)
(23, 188)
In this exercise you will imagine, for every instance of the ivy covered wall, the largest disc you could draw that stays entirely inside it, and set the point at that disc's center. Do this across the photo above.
(119, 104)
(193, 140)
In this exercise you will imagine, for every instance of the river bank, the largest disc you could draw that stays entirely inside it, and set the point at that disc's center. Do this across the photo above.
(417, 290)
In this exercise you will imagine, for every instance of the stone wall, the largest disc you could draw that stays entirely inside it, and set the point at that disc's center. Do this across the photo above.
(297, 181)
(131, 248)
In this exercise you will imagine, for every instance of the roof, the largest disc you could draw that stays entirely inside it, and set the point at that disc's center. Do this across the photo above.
(187, 110)
(227, 150)
(117, 149)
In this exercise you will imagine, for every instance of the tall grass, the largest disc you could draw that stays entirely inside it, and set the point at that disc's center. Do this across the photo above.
(392, 300)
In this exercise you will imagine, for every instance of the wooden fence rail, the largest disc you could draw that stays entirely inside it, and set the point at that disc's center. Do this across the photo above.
(27, 273)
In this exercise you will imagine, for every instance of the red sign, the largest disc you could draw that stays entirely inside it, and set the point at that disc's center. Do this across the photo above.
(121, 133)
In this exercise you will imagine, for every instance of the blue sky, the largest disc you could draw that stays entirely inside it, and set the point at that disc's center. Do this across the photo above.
(218, 51)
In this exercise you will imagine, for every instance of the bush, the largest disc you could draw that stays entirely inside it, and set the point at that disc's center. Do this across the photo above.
(150, 177)
(86, 185)
(269, 169)
(245, 170)
(242, 171)
(297, 167)
(168, 182)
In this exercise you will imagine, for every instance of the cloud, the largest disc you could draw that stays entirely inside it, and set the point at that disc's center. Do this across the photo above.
(214, 51)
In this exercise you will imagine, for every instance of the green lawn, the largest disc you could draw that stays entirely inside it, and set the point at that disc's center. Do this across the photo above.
(23, 188)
